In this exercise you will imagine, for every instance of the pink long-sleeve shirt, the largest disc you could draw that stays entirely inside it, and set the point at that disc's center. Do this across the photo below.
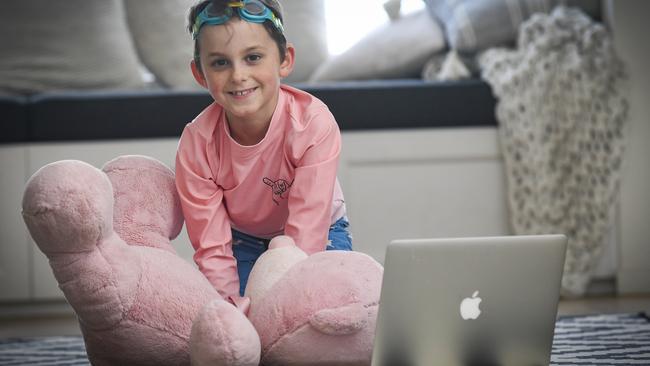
(285, 184)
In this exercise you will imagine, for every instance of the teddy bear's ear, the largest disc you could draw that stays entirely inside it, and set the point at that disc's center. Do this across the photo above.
(147, 207)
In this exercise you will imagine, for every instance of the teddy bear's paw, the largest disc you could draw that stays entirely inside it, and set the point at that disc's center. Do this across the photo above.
(271, 266)
(222, 335)
(342, 320)
(281, 241)
(68, 207)
(147, 208)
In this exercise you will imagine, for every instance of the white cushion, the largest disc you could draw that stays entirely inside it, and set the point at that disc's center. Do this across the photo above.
(166, 48)
(73, 44)
(397, 49)
(161, 38)
(304, 25)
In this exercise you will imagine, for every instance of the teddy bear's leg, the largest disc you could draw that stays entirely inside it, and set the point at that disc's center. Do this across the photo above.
(68, 209)
(222, 335)
(147, 208)
(322, 311)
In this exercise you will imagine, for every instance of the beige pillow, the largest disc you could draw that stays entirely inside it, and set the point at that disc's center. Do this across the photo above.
(160, 35)
(62, 45)
(165, 47)
(475, 25)
(304, 25)
(397, 49)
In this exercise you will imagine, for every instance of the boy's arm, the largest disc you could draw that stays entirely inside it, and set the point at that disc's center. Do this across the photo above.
(310, 196)
(206, 218)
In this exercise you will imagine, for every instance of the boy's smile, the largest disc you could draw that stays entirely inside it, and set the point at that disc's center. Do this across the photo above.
(242, 93)
(241, 68)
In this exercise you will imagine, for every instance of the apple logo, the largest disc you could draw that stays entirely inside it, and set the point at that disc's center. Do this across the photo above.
(469, 307)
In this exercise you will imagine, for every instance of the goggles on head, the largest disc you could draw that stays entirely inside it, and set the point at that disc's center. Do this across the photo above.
(253, 11)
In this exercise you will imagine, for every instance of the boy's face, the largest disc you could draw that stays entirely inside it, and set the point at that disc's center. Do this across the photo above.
(241, 68)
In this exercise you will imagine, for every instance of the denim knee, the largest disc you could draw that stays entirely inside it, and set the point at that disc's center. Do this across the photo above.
(339, 237)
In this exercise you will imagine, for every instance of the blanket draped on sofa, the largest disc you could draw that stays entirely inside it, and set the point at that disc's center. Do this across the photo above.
(561, 112)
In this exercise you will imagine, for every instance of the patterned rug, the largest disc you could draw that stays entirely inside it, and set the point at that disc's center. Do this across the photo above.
(43, 351)
(617, 339)
(621, 339)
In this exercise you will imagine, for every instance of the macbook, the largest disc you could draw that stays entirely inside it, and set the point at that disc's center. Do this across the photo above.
(469, 301)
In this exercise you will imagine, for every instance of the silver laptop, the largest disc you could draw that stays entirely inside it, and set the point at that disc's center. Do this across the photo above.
(469, 301)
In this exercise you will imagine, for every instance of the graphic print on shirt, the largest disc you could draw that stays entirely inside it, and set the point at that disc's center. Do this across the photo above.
(278, 187)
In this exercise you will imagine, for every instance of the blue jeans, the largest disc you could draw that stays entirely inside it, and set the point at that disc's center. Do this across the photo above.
(247, 248)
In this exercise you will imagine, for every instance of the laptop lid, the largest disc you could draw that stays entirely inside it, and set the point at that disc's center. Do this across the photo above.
(469, 301)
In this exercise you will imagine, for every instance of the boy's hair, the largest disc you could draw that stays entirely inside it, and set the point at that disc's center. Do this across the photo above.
(274, 32)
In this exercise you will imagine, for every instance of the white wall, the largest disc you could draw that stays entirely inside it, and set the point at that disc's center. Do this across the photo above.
(631, 28)
(421, 183)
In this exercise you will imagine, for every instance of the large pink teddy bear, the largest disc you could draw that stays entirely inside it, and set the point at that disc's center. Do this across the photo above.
(107, 235)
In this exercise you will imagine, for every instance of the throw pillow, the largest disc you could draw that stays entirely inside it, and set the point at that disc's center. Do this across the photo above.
(397, 49)
(73, 44)
(474, 25)
(165, 47)
(160, 35)
(304, 25)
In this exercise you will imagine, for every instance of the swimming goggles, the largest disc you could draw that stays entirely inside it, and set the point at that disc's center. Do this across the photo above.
(253, 11)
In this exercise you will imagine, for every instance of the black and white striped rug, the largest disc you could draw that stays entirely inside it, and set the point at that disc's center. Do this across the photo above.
(617, 339)
(621, 339)
(43, 351)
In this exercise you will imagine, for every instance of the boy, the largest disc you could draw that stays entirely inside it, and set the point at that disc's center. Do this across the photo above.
(260, 161)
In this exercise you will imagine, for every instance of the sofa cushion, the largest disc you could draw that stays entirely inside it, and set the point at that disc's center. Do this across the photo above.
(161, 38)
(62, 45)
(474, 25)
(166, 48)
(398, 49)
(304, 25)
